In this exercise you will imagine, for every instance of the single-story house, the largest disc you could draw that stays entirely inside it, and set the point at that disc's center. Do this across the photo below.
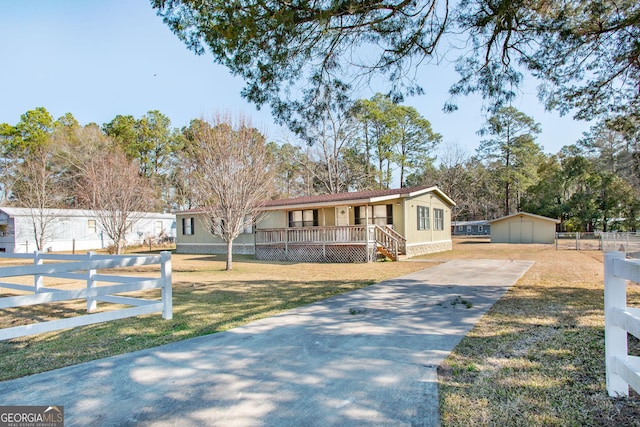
(522, 227)
(345, 227)
(470, 228)
(75, 229)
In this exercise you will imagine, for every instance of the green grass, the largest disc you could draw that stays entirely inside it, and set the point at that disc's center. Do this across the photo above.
(537, 357)
(206, 299)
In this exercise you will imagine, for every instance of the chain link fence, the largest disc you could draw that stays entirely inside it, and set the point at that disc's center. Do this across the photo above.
(628, 242)
(580, 241)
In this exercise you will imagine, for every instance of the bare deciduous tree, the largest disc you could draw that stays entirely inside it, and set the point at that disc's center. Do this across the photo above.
(110, 185)
(36, 188)
(117, 194)
(233, 176)
(334, 134)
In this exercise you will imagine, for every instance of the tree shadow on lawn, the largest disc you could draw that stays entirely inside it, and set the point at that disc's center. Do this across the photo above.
(537, 358)
(198, 309)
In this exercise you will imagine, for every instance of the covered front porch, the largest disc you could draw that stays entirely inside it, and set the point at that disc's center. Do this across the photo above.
(332, 244)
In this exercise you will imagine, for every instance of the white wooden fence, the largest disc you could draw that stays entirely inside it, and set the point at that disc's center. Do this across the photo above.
(85, 268)
(623, 370)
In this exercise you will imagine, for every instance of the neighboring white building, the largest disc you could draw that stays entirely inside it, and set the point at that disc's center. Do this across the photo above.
(75, 229)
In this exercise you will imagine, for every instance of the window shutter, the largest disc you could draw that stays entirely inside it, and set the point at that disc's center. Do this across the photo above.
(356, 214)
(390, 214)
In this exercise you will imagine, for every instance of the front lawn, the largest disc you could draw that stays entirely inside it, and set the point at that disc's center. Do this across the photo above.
(206, 299)
(537, 357)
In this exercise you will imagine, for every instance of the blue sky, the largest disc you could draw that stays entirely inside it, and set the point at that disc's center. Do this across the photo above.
(100, 58)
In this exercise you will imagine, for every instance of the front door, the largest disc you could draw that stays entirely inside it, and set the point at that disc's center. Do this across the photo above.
(342, 216)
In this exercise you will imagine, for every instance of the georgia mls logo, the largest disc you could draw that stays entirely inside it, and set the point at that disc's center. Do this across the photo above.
(31, 416)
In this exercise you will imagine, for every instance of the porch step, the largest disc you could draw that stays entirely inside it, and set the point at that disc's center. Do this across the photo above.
(385, 252)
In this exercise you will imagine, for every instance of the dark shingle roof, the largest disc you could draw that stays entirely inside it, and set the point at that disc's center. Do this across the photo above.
(368, 196)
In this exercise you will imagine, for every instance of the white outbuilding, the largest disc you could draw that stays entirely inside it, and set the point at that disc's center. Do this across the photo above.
(75, 229)
(522, 227)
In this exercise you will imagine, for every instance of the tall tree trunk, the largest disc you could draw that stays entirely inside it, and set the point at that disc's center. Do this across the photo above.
(229, 255)
(506, 199)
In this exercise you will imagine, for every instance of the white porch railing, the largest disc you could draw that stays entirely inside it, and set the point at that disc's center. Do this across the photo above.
(393, 243)
(346, 234)
(358, 235)
(85, 268)
(623, 370)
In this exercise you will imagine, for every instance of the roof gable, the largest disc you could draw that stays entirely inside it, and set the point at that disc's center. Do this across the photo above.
(344, 199)
(363, 197)
(544, 218)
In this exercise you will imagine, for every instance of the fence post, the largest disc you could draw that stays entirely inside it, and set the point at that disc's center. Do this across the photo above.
(37, 278)
(626, 248)
(615, 337)
(167, 290)
(91, 301)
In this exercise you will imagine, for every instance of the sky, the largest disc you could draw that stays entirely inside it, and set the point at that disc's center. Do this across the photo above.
(100, 58)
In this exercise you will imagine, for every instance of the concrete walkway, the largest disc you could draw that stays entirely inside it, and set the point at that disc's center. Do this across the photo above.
(366, 358)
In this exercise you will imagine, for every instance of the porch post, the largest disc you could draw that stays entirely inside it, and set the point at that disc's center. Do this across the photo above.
(323, 235)
(366, 231)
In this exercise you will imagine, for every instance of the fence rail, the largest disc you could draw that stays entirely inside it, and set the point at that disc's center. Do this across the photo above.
(581, 241)
(623, 370)
(627, 242)
(85, 268)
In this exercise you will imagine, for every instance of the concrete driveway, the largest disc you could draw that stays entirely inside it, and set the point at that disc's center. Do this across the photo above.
(366, 358)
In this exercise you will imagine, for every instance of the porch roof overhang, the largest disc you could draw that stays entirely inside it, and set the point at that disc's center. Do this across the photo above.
(348, 199)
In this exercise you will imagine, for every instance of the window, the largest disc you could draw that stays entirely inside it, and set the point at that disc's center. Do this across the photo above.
(460, 228)
(159, 228)
(438, 219)
(378, 214)
(217, 227)
(480, 229)
(248, 224)
(423, 217)
(469, 229)
(92, 226)
(305, 218)
(187, 226)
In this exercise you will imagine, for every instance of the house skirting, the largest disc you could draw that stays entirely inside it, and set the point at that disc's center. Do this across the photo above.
(214, 248)
(416, 249)
(315, 253)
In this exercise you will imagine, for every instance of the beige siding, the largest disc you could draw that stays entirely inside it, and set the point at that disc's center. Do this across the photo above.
(523, 229)
(272, 219)
(398, 217)
(201, 241)
(404, 211)
(420, 237)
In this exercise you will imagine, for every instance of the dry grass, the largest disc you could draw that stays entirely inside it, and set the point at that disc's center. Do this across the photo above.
(206, 299)
(537, 357)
